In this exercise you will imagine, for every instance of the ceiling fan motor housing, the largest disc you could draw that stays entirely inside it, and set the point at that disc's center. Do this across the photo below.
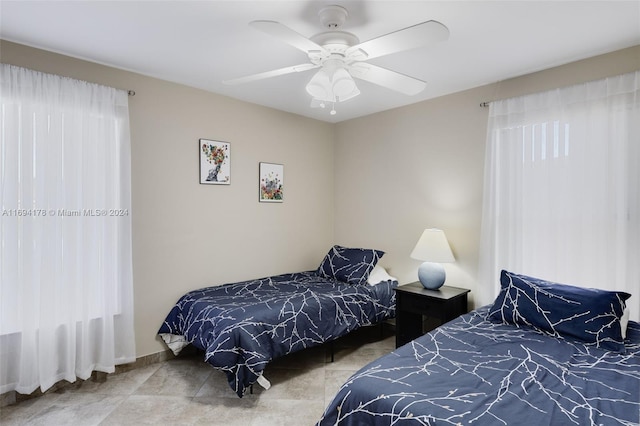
(339, 38)
(334, 41)
(334, 44)
(333, 16)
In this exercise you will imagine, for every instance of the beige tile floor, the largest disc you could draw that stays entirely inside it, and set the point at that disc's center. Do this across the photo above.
(187, 391)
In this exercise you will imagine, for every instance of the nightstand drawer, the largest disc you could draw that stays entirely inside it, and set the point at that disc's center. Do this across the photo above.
(421, 306)
(415, 304)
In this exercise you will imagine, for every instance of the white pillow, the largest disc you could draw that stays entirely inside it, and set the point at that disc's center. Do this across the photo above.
(379, 274)
(624, 320)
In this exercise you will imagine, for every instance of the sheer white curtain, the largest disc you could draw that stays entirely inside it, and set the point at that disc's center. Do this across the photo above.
(66, 286)
(562, 188)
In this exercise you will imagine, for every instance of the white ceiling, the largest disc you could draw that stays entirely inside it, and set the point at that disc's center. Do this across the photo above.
(202, 43)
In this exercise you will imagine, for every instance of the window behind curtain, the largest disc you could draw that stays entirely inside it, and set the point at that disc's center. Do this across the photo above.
(66, 296)
(562, 188)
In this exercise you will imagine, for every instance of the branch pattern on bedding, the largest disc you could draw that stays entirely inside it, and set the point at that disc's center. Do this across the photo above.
(589, 314)
(243, 326)
(474, 371)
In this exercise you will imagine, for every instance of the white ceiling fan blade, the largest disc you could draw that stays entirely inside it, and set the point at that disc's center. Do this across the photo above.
(387, 78)
(269, 74)
(287, 35)
(409, 38)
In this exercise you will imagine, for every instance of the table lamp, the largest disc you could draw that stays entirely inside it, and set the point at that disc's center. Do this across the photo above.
(433, 248)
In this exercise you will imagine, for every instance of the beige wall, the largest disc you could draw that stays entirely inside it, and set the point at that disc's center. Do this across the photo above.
(376, 181)
(422, 166)
(187, 235)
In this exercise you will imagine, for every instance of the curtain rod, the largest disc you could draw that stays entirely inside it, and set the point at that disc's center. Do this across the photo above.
(129, 91)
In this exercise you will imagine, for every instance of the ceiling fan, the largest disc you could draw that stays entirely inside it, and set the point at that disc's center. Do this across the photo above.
(340, 56)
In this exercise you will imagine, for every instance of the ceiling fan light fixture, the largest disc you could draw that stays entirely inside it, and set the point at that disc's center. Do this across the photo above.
(355, 92)
(343, 83)
(332, 84)
(319, 86)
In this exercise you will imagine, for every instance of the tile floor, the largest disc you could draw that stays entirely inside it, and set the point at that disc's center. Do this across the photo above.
(187, 391)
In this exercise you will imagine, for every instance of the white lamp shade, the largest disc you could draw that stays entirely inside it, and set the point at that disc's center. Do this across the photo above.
(433, 247)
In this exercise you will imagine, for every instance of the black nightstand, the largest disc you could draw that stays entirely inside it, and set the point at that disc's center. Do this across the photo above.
(413, 302)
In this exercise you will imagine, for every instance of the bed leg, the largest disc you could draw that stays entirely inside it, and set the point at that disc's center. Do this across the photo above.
(331, 349)
(251, 389)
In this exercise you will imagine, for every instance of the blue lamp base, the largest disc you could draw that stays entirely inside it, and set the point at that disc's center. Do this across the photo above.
(431, 275)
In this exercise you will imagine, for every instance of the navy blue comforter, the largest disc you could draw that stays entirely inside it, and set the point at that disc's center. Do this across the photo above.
(243, 326)
(475, 372)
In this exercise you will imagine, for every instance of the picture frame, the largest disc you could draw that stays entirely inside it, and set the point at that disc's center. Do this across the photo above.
(215, 162)
(271, 183)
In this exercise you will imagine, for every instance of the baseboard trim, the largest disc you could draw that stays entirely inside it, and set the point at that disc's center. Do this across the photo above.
(13, 397)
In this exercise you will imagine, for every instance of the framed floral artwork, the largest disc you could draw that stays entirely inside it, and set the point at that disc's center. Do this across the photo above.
(215, 162)
(271, 183)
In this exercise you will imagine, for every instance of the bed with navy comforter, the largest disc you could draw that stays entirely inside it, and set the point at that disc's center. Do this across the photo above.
(242, 326)
(538, 356)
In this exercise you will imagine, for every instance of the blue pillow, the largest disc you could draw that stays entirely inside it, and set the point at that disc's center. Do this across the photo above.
(349, 265)
(590, 315)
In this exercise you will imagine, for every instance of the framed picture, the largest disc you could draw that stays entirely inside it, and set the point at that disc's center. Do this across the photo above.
(215, 162)
(271, 183)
